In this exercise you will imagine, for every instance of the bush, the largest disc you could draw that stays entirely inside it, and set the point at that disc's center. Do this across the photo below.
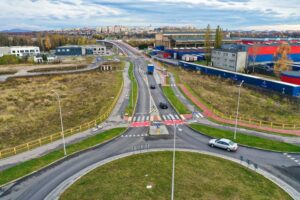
(9, 59)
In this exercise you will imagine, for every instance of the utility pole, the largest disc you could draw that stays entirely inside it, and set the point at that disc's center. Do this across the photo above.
(173, 166)
(61, 123)
(237, 110)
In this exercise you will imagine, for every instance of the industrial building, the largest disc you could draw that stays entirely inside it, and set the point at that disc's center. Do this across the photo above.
(232, 60)
(181, 39)
(75, 50)
(20, 51)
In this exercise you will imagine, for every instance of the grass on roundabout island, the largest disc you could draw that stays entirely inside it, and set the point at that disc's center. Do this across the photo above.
(248, 140)
(38, 163)
(197, 176)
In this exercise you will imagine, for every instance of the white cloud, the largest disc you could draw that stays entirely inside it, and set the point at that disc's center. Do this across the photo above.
(67, 9)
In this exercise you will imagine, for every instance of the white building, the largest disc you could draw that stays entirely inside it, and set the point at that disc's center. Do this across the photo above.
(20, 51)
(232, 60)
(98, 49)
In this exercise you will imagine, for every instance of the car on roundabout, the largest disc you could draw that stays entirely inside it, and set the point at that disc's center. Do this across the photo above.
(223, 143)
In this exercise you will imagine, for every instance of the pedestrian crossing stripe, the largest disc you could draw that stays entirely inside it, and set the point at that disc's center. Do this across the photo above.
(147, 118)
(134, 118)
(151, 118)
(158, 118)
(129, 119)
(171, 116)
(182, 117)
(176, 116)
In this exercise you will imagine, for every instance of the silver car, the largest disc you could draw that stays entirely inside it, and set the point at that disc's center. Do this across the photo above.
(223, 144)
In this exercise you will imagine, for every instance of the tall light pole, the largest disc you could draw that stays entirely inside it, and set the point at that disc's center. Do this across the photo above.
(237, 110)
(61, 122)
(173, 166)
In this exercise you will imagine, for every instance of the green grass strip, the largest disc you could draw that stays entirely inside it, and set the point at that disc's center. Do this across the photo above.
(248, 140)
(179, 106)
(37, 163)
(134, 91)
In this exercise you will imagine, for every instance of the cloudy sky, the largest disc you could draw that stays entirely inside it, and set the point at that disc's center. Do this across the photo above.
(230, 14)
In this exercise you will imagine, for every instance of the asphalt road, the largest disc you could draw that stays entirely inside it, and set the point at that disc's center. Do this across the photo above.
(40, 184)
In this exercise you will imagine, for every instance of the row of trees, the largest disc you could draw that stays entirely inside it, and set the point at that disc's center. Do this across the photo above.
(44, 41)
(209, 43)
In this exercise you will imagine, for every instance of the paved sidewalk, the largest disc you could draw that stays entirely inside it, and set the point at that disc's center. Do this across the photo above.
(207, 112)
(113, 121)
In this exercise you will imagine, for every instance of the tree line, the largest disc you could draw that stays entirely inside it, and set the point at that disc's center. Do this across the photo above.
(45, 41)
(210, 42)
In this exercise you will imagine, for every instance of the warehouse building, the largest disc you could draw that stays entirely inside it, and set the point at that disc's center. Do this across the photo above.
(184, 39)
(75, 50)
(20, 51)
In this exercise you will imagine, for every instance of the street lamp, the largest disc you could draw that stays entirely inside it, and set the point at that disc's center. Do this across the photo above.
(237, 110)
(173, 165)
(61, 123)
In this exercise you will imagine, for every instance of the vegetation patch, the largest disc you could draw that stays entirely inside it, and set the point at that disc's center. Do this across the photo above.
(179, 106)
(36, 164)
(50, 69)
(134, 91)
(249, 140)
(29, 108)
(221, 94)
(197, 176)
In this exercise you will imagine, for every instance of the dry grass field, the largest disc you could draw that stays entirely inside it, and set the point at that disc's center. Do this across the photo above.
(29, 110)
(222, 95)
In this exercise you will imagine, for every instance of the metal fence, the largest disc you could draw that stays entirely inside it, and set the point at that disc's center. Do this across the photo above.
(260, 123)
(48, 139)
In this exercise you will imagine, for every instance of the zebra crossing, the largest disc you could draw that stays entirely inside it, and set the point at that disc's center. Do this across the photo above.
(145, 120)
(198, 115)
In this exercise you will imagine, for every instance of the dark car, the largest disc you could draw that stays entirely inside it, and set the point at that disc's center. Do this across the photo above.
(152, 87)
(163, 105)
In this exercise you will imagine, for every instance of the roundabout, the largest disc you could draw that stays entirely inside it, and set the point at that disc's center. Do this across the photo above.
(148, 176)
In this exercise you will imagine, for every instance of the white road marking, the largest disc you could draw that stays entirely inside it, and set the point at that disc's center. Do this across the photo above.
(138, 135)
(168, 117)
(138, 118)
(164, 117)
(200, 115)
(171, 116)
(285, 154)
(143, 118)
(147, 118)
(176, 116)
(296, 161)
(289, 156)
(293, 158)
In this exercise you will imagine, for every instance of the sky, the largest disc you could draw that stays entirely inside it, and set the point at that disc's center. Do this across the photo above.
(229, 14)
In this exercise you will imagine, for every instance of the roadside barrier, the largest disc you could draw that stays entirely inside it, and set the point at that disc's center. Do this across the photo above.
(56, 136)
(256, 122)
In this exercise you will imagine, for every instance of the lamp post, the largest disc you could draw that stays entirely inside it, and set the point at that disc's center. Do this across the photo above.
(173, 165)
(61, 122)
(237, 110)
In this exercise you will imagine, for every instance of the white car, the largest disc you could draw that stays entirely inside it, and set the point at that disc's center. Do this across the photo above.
(223, 144)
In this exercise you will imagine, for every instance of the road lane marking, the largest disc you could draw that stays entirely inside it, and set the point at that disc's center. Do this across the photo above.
(134, 118)
(147, 118)
(143, 118)
(138, 118)
(164, 117)
(176, 116)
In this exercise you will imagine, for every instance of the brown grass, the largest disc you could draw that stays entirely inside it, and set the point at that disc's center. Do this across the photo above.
(28, 108)
(222, 95)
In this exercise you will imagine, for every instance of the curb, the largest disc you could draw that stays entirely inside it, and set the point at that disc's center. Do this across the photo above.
(54, 194)
(63, 159)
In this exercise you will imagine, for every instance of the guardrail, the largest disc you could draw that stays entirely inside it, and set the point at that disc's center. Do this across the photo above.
(71, 131)
(260, 123)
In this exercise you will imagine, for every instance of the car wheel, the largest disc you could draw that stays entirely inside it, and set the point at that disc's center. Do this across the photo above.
(228, 149)
(212, 145)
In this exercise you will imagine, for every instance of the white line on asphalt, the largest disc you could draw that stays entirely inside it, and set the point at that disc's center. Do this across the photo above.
(138, 118)
(285, 154)
(176, 116)
(293, 158)
(164, 117)
(296, 161)
(147, 118)
(171, 116)
(143, 118)
(289, 156)
(134, 118)
(200, 115)
(168, 117)
(138, 135)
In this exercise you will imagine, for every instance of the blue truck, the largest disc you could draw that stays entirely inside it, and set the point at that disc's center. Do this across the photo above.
(150, 69)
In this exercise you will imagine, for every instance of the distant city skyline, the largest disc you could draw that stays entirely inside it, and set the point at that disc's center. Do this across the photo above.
(229, 14)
